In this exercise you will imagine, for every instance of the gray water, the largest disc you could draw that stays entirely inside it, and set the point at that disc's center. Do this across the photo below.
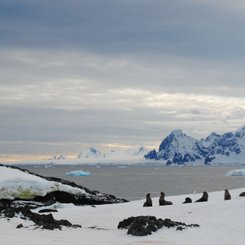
(133, 183)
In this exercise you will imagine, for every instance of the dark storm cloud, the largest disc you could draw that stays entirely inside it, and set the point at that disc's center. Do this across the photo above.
(157, 27)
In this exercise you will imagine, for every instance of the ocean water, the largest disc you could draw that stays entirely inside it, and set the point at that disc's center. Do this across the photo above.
(132, 183)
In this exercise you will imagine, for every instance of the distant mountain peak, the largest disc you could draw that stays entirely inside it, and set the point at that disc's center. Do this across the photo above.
(89, 153)
(179, 148)
(240, 132)
(113, 154)
(177, 132)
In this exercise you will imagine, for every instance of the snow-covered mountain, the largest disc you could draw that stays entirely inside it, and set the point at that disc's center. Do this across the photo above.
(115, 154)
(90, 153)
(179, 148)
(58, 157)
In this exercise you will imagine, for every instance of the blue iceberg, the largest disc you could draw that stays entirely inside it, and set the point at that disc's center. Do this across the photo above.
(236, 172)
(78, 173)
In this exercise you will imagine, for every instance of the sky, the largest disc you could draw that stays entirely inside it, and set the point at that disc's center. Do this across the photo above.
(117, 73)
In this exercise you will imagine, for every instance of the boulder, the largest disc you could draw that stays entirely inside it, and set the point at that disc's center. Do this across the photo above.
(145, 225)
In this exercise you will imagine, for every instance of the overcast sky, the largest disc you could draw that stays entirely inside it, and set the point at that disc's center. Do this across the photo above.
(103, 73)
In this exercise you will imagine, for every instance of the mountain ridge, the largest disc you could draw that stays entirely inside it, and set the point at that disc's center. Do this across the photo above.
(181, 149)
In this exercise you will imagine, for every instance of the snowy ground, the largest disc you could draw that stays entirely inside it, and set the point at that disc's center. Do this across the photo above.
(221, 222)
(18, 184)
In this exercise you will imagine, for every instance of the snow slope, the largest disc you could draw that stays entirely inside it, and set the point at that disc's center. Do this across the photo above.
(18, 184)
(179, 147)
(221, 222)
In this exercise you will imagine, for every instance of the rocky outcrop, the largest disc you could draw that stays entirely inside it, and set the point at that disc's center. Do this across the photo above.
(43, 221)
(145, 225)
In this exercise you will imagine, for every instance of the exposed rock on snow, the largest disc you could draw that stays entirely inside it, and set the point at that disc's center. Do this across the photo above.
(45, 221)
(221, 222)
(145, 225)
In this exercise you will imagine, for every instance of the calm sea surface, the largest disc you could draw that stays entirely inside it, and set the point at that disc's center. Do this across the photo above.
(133, 183)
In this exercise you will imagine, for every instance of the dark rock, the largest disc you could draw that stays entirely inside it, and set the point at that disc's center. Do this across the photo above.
(44, 221)
(139, 226)
(208, 160)
(180, 228)
(64, 222)
(4, 204)
(19, 226)
(152, 155)
(51, 226)
(142, 227)
(9, 212)
(126, 223)
(168, 223)
(76, 226)
(47, 210)
(145, 225)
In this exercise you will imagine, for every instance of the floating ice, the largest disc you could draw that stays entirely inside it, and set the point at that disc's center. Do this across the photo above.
(77, 173)
(236, 172)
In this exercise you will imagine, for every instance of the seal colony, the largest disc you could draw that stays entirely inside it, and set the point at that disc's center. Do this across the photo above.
(204, 198)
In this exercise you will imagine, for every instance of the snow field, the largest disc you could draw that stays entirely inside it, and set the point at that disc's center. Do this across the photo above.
(221, 222)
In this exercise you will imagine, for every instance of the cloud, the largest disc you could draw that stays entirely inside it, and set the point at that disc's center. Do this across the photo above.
(118, 72)
(47, 77)
(183, 28)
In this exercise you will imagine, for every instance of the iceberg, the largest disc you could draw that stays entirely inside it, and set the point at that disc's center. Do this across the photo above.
(236, 172)
(78, 173)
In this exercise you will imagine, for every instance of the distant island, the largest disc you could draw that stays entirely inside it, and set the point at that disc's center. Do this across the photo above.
(179, 148)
